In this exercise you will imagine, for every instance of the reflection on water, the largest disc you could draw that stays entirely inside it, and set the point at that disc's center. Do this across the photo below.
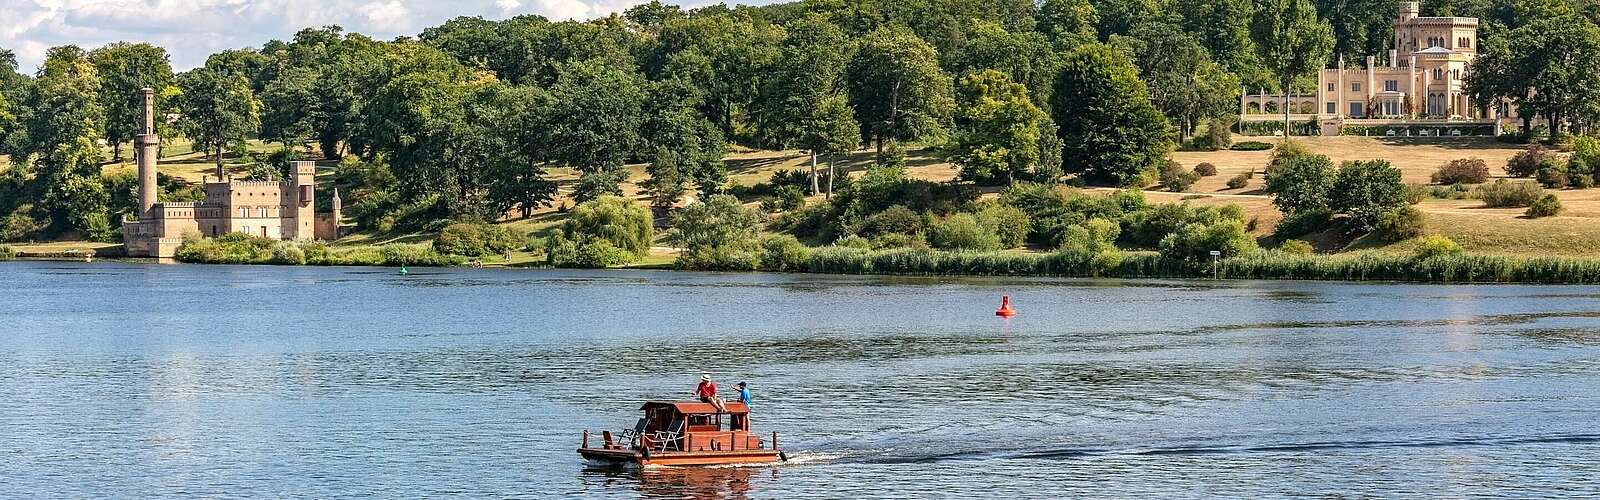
(122, 380)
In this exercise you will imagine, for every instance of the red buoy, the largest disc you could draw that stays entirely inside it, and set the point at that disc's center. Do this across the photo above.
(1005, 307)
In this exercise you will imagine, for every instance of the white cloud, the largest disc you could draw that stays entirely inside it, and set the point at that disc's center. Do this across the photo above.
(191, 30)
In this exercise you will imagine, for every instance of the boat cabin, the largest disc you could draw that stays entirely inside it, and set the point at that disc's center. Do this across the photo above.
(691, 426)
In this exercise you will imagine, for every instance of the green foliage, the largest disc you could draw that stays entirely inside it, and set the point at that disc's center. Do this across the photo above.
(784, 253)
(1585, 158)
(1008, 223)
(597, 144)
(220, 110)
(7, 253)
(1205, 169)
(604, 232)
(239, 248)
(1546, 206)
(998, 129)
(1503, 193)
(1552, 177)
(897, 88)
(476, 240)
(1399, 224)
(1300, 182)
(1175, 179)
(1091, 237)
(962, 232)
(1436, 246)
(1185, 83)
(1239, 181)
(1195, 241)
(1528, 161)
(1365, 190)
(717, 234)
(1468, 171)
(1110, 131)
(1291, 40)
(125, 69)
(896, 219)
(1296, 247)
(1250, 146)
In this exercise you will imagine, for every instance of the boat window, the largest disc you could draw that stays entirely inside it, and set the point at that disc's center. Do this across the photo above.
(706, 422)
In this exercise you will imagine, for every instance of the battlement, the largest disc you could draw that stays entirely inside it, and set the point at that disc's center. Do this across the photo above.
(258, 183)
(305, 167)
(182, 204)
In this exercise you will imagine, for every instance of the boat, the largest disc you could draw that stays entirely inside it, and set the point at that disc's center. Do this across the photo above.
(685, 434)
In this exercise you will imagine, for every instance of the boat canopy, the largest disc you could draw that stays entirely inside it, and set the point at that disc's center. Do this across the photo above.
(696, 407)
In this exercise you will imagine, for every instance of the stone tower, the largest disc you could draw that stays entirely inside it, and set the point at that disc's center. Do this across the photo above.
(146, 145)
(302, 202)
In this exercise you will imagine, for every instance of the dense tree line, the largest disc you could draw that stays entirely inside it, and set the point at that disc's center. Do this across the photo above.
(466, 120)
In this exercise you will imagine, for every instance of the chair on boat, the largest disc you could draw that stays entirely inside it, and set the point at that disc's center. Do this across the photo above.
(670, 438)
(631, 436)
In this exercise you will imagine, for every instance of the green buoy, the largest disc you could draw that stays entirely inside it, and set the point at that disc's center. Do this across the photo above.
(403, 270)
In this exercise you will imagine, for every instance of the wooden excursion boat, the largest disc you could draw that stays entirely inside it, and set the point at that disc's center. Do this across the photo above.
(685, 433)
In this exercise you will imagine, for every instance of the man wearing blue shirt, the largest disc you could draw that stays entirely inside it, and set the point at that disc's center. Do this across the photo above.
(744, 394)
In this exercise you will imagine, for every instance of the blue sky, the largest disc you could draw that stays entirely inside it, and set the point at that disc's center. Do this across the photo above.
(193, 29)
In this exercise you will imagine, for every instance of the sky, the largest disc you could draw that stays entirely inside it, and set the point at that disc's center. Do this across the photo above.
(191, 30)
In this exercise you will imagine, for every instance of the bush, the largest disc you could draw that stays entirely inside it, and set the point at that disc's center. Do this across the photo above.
(1467, 171)
(19, 226)
(1503, 193)
(1205, 170)
(603, 232)
(962, 232)
(854, 241)
(1585, 158)
(784, 253)
(1399, 224)
(1175, 178)
(7, 253)
(1528, 161)
(1414, 193)
(895, 219)
(1303, 223)
(1580, 181)
(402, 254)
(898, 240)
(785, 198)
(1296, 247)
(475, 240)
(1196, 241)
(1239, 181)
(717, 234)
(288, 253)
(1008, 223)
(1546, 206)
(1436, 246)
(1552, 177)
(1300, 182)
(1250, 146)
(1091, 237)
(1365, 190)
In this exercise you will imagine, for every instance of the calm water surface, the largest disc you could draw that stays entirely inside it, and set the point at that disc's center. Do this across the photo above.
(135, 381)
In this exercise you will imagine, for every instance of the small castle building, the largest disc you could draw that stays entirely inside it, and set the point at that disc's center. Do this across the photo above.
(283, 210)
(1420, 84)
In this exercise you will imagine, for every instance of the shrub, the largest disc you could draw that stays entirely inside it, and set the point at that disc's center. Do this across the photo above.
(1091, 237)
(1205, 170)
(1580, 181)
(895, 219)
(717, 234)
(1585, 157)
(1174, 178)
(1008, 223)
(1239, 181)
(854, 241)
(288, 253)
(1414, 193)
(1296, 247)
(784, 253)
(1546, 206)
(1196, 241)
(962, 232)
(1503, 193)
(1365, 190)
(7, 253)
(1436, 246)
(1528, 161)
(785, 198)
(1552, 177)
(19, 226)
(1250, 146)
(603, 232)
(1303, 223)
(475, 240)
(1300, 182)
(403, 254)
(1399, 224)
(1468, 171)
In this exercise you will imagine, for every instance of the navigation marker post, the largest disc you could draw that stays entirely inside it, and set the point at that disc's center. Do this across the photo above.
(1214, 255)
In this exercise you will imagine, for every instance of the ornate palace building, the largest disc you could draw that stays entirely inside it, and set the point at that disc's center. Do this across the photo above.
(270, 209)
(1417, 90)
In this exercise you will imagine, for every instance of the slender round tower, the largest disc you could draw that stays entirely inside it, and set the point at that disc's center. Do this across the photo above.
(145, 147)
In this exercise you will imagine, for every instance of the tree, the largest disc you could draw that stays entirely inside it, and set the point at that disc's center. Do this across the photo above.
(998, 129)
(1360, 27)
(1223, 28)
(737, 48)
(606, 231)
(795, 107)
(1026, 57)
(1291, 42)
(1109, 130)
(1557, 58)
(719, 233)
(1300, 183)
(219, 111)
(288, 104)
(688, 148)
(595, 124)
(1365, 190)
(124, 69)
(516, 120)
(1185, 84)
(897, 88)
(64, 122)
(1069, 22)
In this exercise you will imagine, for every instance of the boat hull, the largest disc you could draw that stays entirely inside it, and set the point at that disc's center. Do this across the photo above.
(680, 458)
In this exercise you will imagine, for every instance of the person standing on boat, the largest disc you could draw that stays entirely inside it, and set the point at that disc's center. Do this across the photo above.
(744, 394)
(708, 393)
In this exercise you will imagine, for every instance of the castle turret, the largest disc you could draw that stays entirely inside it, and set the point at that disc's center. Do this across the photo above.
(146, 145)
(1410, 10)
(301, 203)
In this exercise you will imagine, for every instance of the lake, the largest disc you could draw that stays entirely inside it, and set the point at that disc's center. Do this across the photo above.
(128, 380)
